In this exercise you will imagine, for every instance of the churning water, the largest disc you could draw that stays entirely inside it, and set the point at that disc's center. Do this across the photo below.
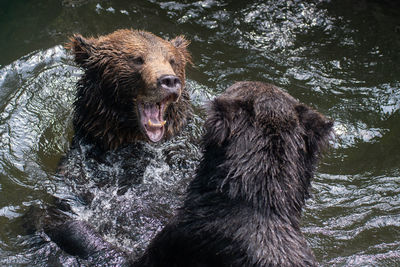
(341, 57)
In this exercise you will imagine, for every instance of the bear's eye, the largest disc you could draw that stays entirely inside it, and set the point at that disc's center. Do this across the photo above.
(138, 60)
(172, 62)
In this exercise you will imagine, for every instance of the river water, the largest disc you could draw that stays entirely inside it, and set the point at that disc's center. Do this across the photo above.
(341, 57)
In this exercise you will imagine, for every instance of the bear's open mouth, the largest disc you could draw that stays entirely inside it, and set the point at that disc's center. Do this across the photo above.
(152, 119)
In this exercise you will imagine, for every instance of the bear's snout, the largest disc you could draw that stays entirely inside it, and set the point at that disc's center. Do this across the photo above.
(171, 84)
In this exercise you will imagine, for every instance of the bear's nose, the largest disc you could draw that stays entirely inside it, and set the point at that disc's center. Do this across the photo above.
(171, 83)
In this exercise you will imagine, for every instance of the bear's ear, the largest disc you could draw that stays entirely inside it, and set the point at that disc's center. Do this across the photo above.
(318, 128)
(82, 48)
(217, 127)
(181, 44)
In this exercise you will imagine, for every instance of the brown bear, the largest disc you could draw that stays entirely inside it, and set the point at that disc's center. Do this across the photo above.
(133, 87)
(244, 205)
(132, 93)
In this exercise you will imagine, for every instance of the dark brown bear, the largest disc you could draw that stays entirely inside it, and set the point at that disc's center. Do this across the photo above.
(133, 87)
(243, 208)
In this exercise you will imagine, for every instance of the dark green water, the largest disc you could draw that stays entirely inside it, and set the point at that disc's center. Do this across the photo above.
(341, 57)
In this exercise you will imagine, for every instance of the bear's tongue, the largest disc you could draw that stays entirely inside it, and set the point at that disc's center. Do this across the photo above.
(152, 121)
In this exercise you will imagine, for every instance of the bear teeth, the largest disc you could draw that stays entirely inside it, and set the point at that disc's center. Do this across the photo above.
(151, 124)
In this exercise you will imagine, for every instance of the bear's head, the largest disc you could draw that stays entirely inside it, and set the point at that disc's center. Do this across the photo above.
(263, 145)
(133, 87)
